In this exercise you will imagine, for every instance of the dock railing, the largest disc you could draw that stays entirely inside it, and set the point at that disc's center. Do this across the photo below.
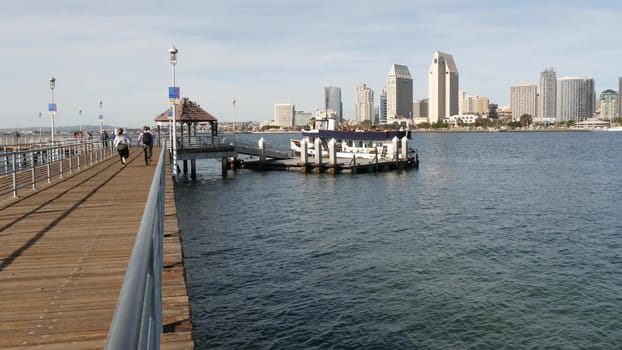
(137, 321)
(28, 165)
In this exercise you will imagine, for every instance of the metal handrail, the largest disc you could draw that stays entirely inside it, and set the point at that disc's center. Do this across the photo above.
(29, 167)
(137, 321)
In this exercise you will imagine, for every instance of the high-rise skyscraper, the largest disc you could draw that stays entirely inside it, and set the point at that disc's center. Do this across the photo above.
(524, 100)
(399, 93)
(443, 84)
(332, 96)
(575, 99)
(364, 108)
(382, 110)
(547, 100)
(608, 104)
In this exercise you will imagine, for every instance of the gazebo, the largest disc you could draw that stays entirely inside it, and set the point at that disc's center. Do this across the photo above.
(191, 114)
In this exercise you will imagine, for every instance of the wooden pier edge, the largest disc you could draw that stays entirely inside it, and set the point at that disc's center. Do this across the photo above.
(176, 320)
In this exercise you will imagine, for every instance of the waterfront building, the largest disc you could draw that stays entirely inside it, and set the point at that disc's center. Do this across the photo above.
(608, 104)
(420, 109)
(443, 83)
(575, 99)
(462, 96)
(332, 98)
(382, 107)
(364, 108)
(619, 97)
(523, 100)
(284, 115)
(547, 101)
(504, 114)
(399, 93)
(475, 105)
(462, 118)
(302, 118)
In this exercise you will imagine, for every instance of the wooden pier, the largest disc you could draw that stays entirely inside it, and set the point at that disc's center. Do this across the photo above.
(64, 250)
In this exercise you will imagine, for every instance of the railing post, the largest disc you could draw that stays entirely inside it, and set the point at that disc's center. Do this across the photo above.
(14, 177)
(70, 159)
(34, 178)
(60, 163)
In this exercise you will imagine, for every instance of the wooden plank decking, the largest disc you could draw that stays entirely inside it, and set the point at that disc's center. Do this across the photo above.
(64, 251)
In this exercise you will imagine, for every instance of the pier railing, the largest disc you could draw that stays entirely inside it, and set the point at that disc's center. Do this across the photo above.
(137, 321)
(27, 166)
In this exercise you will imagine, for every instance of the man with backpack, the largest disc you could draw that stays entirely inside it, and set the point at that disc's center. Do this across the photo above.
(147, 140)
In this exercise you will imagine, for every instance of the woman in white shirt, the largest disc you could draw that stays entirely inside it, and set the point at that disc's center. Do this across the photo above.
(122, 143)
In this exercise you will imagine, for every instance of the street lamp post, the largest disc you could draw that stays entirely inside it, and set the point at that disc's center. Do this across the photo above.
(52, 109)
(233, 101)
(101, 117)
(173, 57)
(39, 127)
(80, 118)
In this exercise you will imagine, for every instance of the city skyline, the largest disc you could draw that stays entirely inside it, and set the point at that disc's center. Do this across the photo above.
(273, 52)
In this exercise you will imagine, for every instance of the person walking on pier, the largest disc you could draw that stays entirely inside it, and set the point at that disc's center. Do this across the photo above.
(122, 143)
(104, 138)
(146, 139)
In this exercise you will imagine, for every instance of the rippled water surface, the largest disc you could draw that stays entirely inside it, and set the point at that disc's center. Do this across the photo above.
(498, 241)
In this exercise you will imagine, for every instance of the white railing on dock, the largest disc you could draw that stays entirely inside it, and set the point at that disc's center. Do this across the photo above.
(29, 165)
(137, 321)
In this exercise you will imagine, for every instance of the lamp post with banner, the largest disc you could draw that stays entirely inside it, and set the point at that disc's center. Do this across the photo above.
(173, 95)
(233, 101)
(169, 114)
(101, 117)
(52, 106)
(80, 119)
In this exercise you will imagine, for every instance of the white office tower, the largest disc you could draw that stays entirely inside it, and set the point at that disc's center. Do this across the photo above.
(443, 88)
(284, 115)
(524, 100)
(399, 93)
(608, 104)
(548, 94)
(364, 108)
(575, 99)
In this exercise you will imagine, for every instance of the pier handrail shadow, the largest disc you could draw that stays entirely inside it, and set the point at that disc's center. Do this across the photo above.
(137, 320)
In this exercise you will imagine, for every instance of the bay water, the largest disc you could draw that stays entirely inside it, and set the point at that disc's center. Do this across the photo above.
(498, 241)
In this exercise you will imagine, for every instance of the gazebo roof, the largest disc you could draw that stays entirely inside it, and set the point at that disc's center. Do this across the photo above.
(189, 112)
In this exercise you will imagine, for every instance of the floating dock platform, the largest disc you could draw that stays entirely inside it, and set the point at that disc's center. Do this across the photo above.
(342, 165)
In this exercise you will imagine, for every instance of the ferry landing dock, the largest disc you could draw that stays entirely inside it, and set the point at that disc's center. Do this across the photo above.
(64, 251)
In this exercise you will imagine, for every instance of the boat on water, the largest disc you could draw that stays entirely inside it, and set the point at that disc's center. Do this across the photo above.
(364, 144)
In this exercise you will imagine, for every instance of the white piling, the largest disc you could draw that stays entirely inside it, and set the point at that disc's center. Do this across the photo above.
(262, 149)
(332, 152)
(404, 148)
(318, 151)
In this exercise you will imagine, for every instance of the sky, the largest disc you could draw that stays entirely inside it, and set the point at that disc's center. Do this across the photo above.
(265, 52)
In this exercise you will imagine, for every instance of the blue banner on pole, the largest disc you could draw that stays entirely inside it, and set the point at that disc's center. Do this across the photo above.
(173, 92)
(51, 107)
(170, 113)
(100, 117)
